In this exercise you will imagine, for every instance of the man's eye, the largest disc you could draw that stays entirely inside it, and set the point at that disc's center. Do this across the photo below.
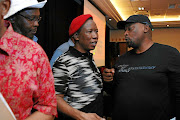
(31, 19)
(130, 28)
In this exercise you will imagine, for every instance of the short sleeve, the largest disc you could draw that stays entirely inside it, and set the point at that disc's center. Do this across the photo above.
(44, 97)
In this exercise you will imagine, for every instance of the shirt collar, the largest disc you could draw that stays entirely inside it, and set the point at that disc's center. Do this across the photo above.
(70, 42)
(6, 40)
(35, 39)
(79, 54)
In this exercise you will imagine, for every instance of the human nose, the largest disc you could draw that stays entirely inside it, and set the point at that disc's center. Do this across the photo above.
(95, 35)
(125, 33)
(36, 23)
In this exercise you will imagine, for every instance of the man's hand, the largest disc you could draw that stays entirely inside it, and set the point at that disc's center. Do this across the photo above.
(108, 74)
(74, 113)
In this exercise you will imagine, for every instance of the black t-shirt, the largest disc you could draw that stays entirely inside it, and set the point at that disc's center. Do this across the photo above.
(147, 85)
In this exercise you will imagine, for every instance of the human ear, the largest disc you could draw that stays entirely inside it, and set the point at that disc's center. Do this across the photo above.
(146, 28)
(76, 36)
(5, 6)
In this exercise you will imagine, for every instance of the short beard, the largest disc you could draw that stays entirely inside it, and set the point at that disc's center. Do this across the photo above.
(132, 44)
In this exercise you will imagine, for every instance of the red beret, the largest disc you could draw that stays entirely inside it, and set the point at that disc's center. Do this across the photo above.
(77, 23)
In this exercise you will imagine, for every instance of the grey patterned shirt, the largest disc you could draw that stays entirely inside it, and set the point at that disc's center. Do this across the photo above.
(77, 77)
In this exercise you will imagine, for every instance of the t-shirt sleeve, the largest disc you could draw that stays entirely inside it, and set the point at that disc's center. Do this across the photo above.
(44, 97)
(61, 77)
(174, 78)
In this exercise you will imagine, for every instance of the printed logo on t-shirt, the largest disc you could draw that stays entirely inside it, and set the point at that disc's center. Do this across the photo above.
(126, 68)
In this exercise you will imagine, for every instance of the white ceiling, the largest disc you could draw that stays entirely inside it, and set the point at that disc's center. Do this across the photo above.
(160, 12)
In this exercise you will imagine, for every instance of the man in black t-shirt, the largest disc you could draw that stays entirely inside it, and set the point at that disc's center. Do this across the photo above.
(145, 80)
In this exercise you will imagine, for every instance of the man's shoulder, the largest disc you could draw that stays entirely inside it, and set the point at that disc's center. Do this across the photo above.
(63, 48)
(64, 45)
(23, 42)
(66, 59)
(21, 38)
(165, 48)
(66, 56)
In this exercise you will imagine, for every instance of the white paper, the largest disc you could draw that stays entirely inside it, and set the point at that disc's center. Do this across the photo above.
(6, 112)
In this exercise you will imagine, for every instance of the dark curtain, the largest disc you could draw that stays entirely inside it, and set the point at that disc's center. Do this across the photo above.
(56, 18)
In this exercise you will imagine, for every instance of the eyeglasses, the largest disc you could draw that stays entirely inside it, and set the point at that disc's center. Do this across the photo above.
(32, 19)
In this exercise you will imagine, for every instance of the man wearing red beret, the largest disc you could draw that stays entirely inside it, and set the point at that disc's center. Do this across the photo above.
(78, 82)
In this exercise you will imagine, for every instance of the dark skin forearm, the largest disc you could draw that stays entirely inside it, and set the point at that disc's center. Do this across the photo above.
(74, 113)
(40, 116)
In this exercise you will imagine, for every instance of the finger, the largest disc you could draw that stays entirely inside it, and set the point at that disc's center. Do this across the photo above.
(107, 74)
(108, 80)
(106, 70)
(107, 77)
(113, 70)
(98, 117)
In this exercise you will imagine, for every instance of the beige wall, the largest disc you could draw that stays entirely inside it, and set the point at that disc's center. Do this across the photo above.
(168, 36)
(100, 20)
